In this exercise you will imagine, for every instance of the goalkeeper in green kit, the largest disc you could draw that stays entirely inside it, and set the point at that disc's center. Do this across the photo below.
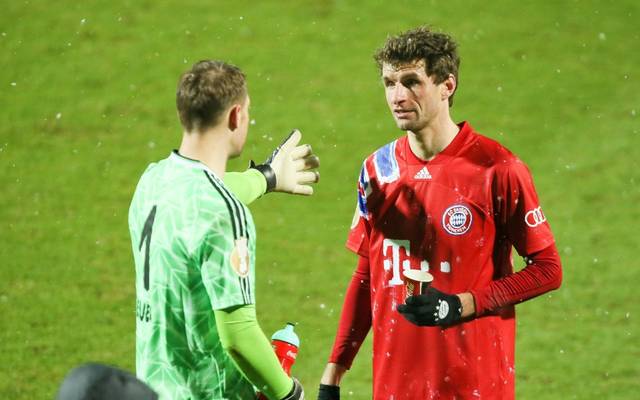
(194, 245)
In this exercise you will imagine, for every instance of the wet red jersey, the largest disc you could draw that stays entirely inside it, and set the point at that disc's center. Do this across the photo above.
(456, 216)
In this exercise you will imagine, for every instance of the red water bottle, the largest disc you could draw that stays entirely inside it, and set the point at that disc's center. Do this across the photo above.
(285, 343)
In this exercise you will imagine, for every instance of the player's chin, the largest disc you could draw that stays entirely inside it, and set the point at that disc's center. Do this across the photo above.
(405, 125)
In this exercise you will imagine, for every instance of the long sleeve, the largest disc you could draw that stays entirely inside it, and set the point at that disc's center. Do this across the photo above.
(521, 222)
(542, 274)
(243, 339)
(247, 186)
(355, 320)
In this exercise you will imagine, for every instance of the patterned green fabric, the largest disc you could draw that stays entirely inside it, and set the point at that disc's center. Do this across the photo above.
(194, 250)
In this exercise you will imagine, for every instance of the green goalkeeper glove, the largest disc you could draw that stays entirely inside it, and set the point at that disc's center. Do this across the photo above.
(288, 169)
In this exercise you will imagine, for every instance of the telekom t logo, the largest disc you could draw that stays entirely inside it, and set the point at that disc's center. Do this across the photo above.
(396, 253)
(392, 258)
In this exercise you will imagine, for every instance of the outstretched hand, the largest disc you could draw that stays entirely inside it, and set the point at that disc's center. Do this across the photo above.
(290, 168)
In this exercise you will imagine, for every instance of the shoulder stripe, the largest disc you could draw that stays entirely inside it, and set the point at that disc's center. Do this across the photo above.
(238, 207)
(226, 201)
(242, 291)
(248, 289)
(245, 289)
(364, 189)
(242, 223)
(237, 213)
(386, 163)
(244, 218)
(239, 226)
(245, 286)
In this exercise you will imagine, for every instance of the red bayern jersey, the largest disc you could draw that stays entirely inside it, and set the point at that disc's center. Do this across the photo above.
(456, 216)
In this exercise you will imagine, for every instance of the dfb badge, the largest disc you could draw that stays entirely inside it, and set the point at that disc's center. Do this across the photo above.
(240, 257)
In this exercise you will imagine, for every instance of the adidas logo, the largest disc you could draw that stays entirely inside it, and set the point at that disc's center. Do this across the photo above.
(423, 174)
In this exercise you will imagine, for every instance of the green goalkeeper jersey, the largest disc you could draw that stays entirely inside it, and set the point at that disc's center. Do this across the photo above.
(194, 251)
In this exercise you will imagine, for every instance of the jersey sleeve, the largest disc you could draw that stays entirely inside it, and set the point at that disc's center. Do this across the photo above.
(542, 274)
(226, 265)
(355, 318)
(245, 342)
(358, 239)
(247, 186)
(518, 212)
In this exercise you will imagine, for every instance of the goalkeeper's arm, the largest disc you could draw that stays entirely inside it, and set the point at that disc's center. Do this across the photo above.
(243, 339)
(247, 186)
(289, 169)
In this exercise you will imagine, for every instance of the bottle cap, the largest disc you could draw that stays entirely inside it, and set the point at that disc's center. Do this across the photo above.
(287, 335)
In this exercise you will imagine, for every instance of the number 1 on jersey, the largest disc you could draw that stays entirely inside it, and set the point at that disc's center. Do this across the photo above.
(145, 238)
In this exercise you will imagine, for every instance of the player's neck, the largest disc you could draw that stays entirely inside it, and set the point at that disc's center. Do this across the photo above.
(209, 148)
(432, 139)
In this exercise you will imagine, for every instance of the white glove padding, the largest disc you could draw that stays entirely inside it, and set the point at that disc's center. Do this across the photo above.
(289, 168)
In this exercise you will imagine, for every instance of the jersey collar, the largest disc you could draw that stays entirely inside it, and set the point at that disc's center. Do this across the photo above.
(178, 158)
(452, 149)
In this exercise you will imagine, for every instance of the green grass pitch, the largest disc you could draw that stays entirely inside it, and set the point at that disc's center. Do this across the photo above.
(87, 101)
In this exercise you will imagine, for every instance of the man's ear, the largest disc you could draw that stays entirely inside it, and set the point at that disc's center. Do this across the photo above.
(449, 87)
(233, 118)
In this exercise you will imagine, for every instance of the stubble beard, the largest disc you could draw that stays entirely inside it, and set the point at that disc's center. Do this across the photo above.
(412, 126)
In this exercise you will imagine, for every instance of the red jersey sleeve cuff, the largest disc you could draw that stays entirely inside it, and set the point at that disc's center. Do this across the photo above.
(480, 299)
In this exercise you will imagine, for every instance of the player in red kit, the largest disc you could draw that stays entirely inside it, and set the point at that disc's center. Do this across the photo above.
(446, 200)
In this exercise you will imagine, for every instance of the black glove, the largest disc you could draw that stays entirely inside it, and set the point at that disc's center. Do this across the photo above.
(267, 171)
(297, 393)
(433, 308)
(329, 392)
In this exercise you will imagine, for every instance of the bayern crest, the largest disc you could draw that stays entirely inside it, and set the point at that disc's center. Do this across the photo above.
(457, 219)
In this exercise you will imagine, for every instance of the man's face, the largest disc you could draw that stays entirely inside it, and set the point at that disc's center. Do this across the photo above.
(412, 97)
(240, 135)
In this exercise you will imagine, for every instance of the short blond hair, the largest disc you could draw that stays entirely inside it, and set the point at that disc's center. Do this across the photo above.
(206, 91)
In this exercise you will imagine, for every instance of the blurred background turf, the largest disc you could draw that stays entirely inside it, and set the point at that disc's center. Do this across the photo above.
(87, 101)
